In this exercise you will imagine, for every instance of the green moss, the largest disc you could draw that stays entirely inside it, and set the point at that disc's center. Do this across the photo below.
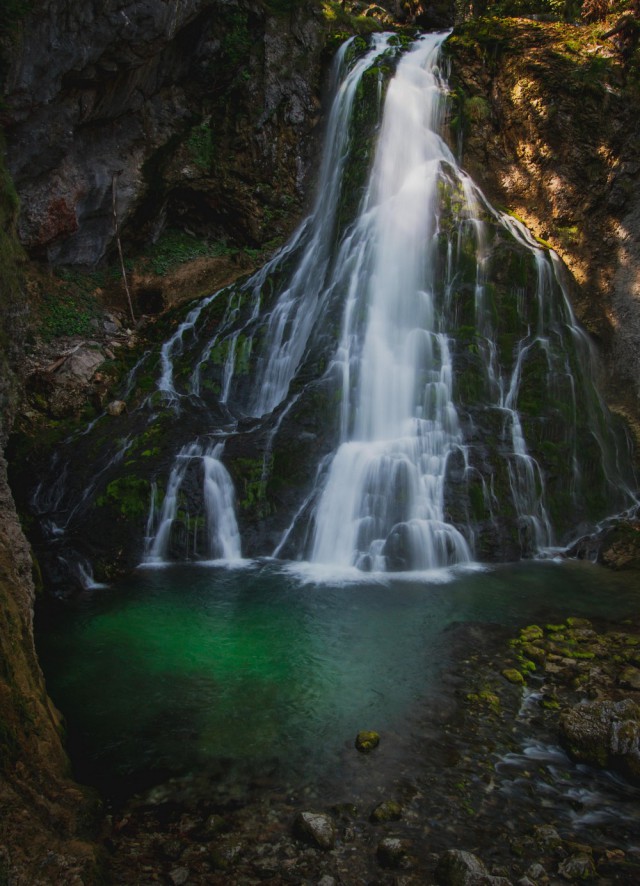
(550, 704)
(513, 676)
(129, 495)
(531, 633)
(366, 741)
(200, 145)
(485, 698)
(237, 41)
(251, 475)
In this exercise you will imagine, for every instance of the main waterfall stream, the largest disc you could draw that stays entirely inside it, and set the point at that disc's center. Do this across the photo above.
(315, 463)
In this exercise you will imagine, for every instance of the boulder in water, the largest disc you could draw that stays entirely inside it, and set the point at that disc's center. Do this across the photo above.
(367, 741)
(316, 828)
(393, 852)
(388, 810)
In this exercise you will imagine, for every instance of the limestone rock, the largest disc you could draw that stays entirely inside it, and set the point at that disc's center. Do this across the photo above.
(604, 733)
(82, 364)
(87, 107)
(393, 852)
(179, 876)
(460, 868)
(316, 828)
(578, 866)
(116, 407)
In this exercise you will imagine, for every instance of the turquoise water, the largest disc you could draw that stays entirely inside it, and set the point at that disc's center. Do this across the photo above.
(196, 668)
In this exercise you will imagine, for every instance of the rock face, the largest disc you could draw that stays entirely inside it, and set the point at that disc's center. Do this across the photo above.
(42, 811)
(163, 110)
(549, 128)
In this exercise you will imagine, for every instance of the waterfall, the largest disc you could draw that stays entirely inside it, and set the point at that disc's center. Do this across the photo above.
(211, 532)
(223, 537)
(402, 387)
(383, 500)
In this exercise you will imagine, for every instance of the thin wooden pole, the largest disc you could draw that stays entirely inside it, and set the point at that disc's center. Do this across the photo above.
(114, 193)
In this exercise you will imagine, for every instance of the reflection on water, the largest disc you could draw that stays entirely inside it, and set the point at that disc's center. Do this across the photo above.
(272, 668)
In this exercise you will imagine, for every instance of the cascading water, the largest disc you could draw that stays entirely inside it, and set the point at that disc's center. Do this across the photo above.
(214, 532)
(402, 387)
(383, 501)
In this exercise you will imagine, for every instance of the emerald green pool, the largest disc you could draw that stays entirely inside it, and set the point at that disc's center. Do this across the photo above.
(263, 668)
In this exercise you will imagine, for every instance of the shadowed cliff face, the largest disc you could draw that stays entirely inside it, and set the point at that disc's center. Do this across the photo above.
(44, 815)
(194, 109)
(549, 121)
(199, 110)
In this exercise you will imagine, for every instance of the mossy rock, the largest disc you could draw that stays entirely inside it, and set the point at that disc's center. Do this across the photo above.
(513, 676)
(388, 810)
(367, 741)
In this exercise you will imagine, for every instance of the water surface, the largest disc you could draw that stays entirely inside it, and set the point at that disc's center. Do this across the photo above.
(268, 668)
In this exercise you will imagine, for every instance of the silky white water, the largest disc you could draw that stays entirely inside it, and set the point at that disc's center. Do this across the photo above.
(436, 332)
(384, 492)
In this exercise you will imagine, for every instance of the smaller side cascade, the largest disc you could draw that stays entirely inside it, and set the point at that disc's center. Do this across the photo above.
(197, 518)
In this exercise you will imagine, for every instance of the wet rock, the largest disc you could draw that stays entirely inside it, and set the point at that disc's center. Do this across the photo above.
(82, 364)
(367, 741)
(116, 407)
(604, 733)
(215, 824)
(171, 849)
(459, 868)
(537, 873)
(578, 866)
(393, 852)
(621, 546)
(388, 810)
(316, 828)
(547, 838)
(513, 676)
(630, 678)
(345, 811)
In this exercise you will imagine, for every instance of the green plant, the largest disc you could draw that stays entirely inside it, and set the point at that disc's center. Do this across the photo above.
(200, 145)
(68, 314)
(176, 247)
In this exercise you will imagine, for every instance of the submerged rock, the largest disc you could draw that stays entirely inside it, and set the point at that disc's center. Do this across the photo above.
(367, 741)
(388, 810)
(393, 852)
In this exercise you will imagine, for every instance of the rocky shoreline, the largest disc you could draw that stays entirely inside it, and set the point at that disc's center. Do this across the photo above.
(483, 792)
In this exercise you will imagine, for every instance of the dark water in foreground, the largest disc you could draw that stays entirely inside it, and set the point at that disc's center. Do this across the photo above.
(265, 668)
